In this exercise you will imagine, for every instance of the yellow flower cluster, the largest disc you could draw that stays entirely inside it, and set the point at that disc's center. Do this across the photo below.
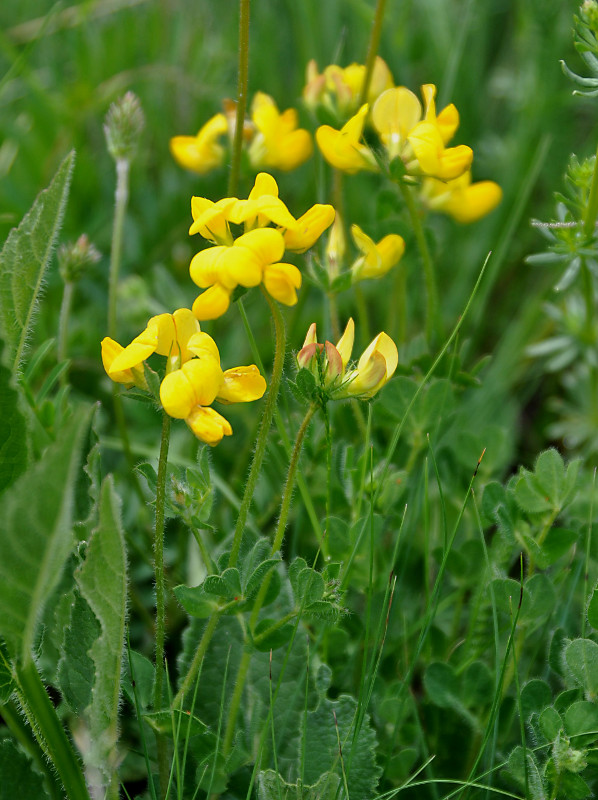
(375, 367)
(274, 137)
(194, 378)
(255, 256)
(412, 132)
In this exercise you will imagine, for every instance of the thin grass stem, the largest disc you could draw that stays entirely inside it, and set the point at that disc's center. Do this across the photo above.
(242, 81)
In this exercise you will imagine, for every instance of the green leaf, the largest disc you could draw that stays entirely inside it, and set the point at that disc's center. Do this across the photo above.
(7, 682)
(37, 536)
(557, 543)
(550, 723)
(227, 585)
(178, 722)
(195, 600)
(142, 671)
(102, 581)
(582, 718)
(535, 696)
(593, 608)
(17, 778)
(13, 428)
(277, 638)
(516, 769)
(24, 260)
(76, 673)
(581, 656)
(549, 487)
(308, 587)
(258, 575)
(272, 786)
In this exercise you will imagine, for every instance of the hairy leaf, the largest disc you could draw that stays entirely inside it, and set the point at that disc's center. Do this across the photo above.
(37, 536)
(13, 428)
(17, 779)
(24, 260)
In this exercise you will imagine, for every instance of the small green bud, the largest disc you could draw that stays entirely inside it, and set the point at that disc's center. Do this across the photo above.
(589, 14)
(123, 126)
(75, 257)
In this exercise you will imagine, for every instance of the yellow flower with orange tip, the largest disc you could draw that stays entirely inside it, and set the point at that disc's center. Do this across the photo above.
(375, 259)
(343, 149)
(461, 199)
(338, 89)
(278, 142)
(375, 367)
(203, 152)
(194, 378)
(255, 256)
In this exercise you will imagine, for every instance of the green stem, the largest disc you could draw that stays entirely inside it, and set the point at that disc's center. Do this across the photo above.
(372, 50)
(197, 660)
(63, 325)
(290, 481)
(433, 325)
(161, 594)
(262, 436)
(121, 199)
(48, 726)
(235, 166)
(592, 207)
(261, 595)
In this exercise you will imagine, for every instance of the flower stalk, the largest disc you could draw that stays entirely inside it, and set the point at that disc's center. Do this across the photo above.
(372, 50)
(233, 179)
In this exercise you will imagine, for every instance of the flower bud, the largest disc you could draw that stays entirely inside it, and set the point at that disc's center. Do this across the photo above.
(75, 257)
(123, 126)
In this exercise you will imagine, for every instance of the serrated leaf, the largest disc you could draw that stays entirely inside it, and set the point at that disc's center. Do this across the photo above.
(17, 778)
(195, 600)
(102, 581)
(581, 656)
(76, 673)
(24, 260)
(272, 786)
(37, 536)
(13, 428)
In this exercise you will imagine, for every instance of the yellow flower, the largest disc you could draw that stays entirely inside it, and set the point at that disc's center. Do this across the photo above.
(338, 89)
(418, 138)
(254, 257)
(375, 367)
(201, 153)
(461, 199)
(166, 334)
(342, 149)
(375, 259)
(194, 377)
(186, 393)
(278, 143)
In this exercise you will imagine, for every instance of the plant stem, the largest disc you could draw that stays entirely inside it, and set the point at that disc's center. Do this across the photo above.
(290, 480)
(49, 727)
(261, 595)
(262, 436)
(63, 325)
(235, 165)
(592, 207)
(160, 594)
(433, 326)
(121, 199)
(197, 659)
(372, 50)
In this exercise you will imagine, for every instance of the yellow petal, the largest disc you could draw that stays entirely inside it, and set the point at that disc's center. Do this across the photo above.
(186, 326)
(384, 345)
(454, 162)
(197, 382)
(110, 351)
(342, 149)
(208, 425)
(464, 201)
(266, 244)
(395, 113)
(377, 259)
(345, 343)
(158, 333)
(242, 385)
(201, 343)
(210, 219)
(264, 184)
(201, 153)
(212, 303)
(309, 228)
(281, 281)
